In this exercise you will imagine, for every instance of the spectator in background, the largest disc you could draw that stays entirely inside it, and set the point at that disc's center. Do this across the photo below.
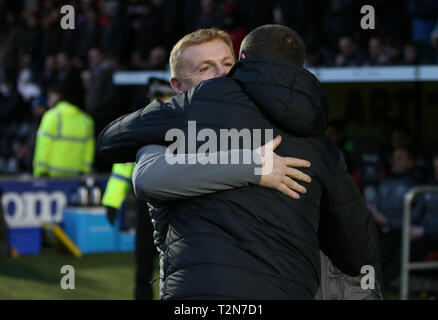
(340, 15)
(349, 53)
(392, 18)
(11, 102)
(254, 13)
(39, 107)
(157, 59)
(191, 11)
(410, 54)
(113, 32)
(69, 77)
(98, 97)
(104, 100)
(427, 230)
(212, 15)
(375, 52)
(393, 51)
(65, 141)
(32, 36)
(138, 60)
(424, 16)
(434, 42)
(48, 76)
(51, 32)
(89, 30)
(27, 85)
(13, 129)
(172, 21)
(394, 135)
(10, 50)
(146, 21)
(303, 16)
(387, 210)
(317, 56)
(400, 137)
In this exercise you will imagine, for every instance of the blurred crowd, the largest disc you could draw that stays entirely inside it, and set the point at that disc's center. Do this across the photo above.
(385, 172)
(109, 35)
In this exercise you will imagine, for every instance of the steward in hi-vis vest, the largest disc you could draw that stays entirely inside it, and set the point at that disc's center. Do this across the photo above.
(118, 185)
(65, 142)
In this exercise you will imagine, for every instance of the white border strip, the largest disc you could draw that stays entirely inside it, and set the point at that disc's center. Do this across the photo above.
(366, 74)
(138, 77)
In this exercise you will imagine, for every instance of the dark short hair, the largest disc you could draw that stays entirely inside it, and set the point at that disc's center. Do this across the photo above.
(65, 92)
(57, 88)
(276, 42)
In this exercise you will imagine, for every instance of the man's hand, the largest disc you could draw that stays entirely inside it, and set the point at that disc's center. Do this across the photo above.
(111, 214)
(282, 174)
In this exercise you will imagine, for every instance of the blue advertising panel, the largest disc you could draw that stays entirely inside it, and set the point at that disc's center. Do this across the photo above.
(29, 202)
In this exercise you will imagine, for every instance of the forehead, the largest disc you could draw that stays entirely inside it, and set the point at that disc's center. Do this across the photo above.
(216, 49)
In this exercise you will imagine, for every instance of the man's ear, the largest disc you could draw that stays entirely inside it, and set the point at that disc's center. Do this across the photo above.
(242, 56)
(176, 85)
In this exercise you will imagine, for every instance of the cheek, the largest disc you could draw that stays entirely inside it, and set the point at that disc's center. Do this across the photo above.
(206, 77)
(187, 84)
(193, 81)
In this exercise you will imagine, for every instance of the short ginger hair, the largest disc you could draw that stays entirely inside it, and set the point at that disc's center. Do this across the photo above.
(197, 37)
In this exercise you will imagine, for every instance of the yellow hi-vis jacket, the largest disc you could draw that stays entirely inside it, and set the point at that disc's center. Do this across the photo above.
(65, 142)
(118, 185)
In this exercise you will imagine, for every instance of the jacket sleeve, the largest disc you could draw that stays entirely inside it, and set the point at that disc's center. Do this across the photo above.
(43, 145)
(154, 178)
(347, 231)
(118, 185)
(121, 139)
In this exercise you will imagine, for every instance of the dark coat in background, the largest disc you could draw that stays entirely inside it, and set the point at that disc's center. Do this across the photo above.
(390, 199)
(254, 242)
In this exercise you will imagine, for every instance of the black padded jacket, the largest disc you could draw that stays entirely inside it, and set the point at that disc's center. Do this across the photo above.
(253, 242)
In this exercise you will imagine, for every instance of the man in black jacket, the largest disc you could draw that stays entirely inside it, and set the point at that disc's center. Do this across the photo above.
(387, 210)
(252, 242)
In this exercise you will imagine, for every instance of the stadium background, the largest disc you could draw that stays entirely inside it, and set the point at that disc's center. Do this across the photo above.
(376, 80)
